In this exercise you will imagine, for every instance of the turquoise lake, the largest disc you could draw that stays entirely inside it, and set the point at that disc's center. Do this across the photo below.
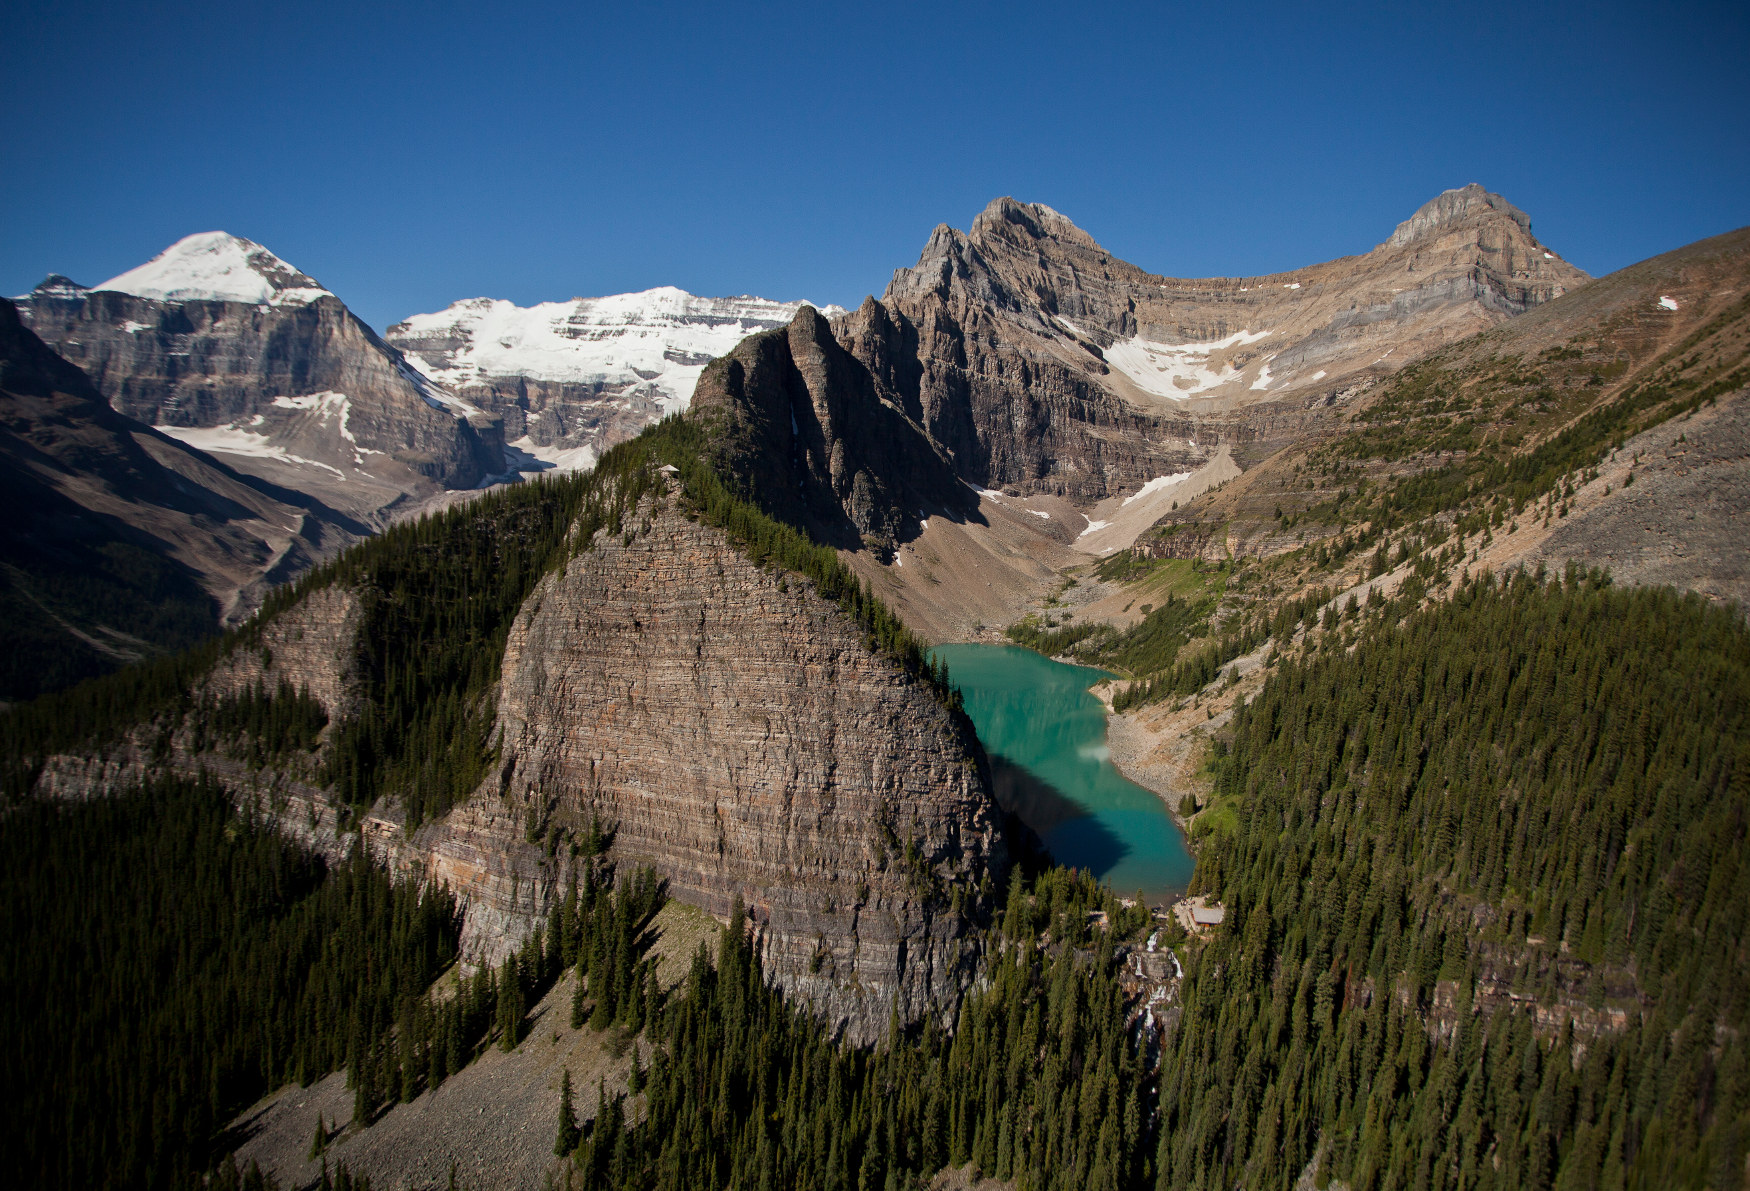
(1046, 737)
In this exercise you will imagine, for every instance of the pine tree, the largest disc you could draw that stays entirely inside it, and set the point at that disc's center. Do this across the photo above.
(569, 1133)
(511, 1006)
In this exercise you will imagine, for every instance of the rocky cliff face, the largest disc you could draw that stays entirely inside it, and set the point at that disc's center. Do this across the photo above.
(1040, 362)
(312, 648)
(740, 738)
(219, 343)
(728, 725)
(823, 439)
(570, 379)
(122, 542)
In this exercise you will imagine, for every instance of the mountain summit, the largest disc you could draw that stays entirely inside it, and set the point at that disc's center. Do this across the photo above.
(1047, 364)
(224, 346)
(1453, 206)
(217, 267)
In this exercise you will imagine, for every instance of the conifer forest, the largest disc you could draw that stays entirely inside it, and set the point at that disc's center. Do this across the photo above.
(1465, 896)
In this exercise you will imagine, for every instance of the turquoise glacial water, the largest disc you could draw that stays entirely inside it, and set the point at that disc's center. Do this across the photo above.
(1046, 736)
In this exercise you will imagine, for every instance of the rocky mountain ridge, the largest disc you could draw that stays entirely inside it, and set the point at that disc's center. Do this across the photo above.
(719, 719)
(822, 442)
(1089, 396)
(570, 379)
(1042, 363)
(1674, 323)
(221, 344)
(123, 542)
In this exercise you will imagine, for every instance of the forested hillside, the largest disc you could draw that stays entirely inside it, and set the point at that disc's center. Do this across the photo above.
(1044, 1080)
(167, 961)
(1487, 904)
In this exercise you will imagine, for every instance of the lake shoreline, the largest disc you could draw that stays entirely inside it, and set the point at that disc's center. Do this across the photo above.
(1044, 719)
(1162, 750)
(1131, 746)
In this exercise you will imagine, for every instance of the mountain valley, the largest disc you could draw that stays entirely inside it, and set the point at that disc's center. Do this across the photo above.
(1419, 577)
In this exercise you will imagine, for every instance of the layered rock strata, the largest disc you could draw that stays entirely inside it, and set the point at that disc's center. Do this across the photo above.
(730, 727)
(1041, 363)
(259, 364)
(738, 735)
(122, 542)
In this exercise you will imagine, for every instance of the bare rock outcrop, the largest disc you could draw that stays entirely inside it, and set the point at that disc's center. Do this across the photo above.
(311, 648)
(1039, 361)
(729, 725)
(822, 440)
(739, 736)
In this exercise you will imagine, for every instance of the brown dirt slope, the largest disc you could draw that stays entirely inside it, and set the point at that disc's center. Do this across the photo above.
(1679, 322)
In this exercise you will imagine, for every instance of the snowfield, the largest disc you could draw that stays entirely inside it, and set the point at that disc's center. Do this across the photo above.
(217, 267)
(1155, 485)
(658, 341)
(1177, 370)
(235, 440)
(523, 454)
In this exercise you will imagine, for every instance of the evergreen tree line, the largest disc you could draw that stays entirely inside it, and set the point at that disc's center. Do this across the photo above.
(168, 961)
(1193, 673)
(1493, 470)
(1536, 787)
(1044, 1078)
(1150, 650)
(1149, 646)
(1054, 640)
(439, 595)
(436, 1032)
(260, 725)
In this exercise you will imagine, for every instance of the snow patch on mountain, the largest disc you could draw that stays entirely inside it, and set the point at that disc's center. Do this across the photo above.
(1177, 369)
(526, 455)
(657, 341)
(1155, 485)
(217, 267)
(326, 407)
(236, 439)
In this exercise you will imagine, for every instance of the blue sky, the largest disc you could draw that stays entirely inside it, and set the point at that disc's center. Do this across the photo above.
(409, 156)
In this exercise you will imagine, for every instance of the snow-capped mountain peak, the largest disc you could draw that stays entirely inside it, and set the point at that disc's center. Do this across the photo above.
(217, 266)
(657, 340)
(569, 379)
